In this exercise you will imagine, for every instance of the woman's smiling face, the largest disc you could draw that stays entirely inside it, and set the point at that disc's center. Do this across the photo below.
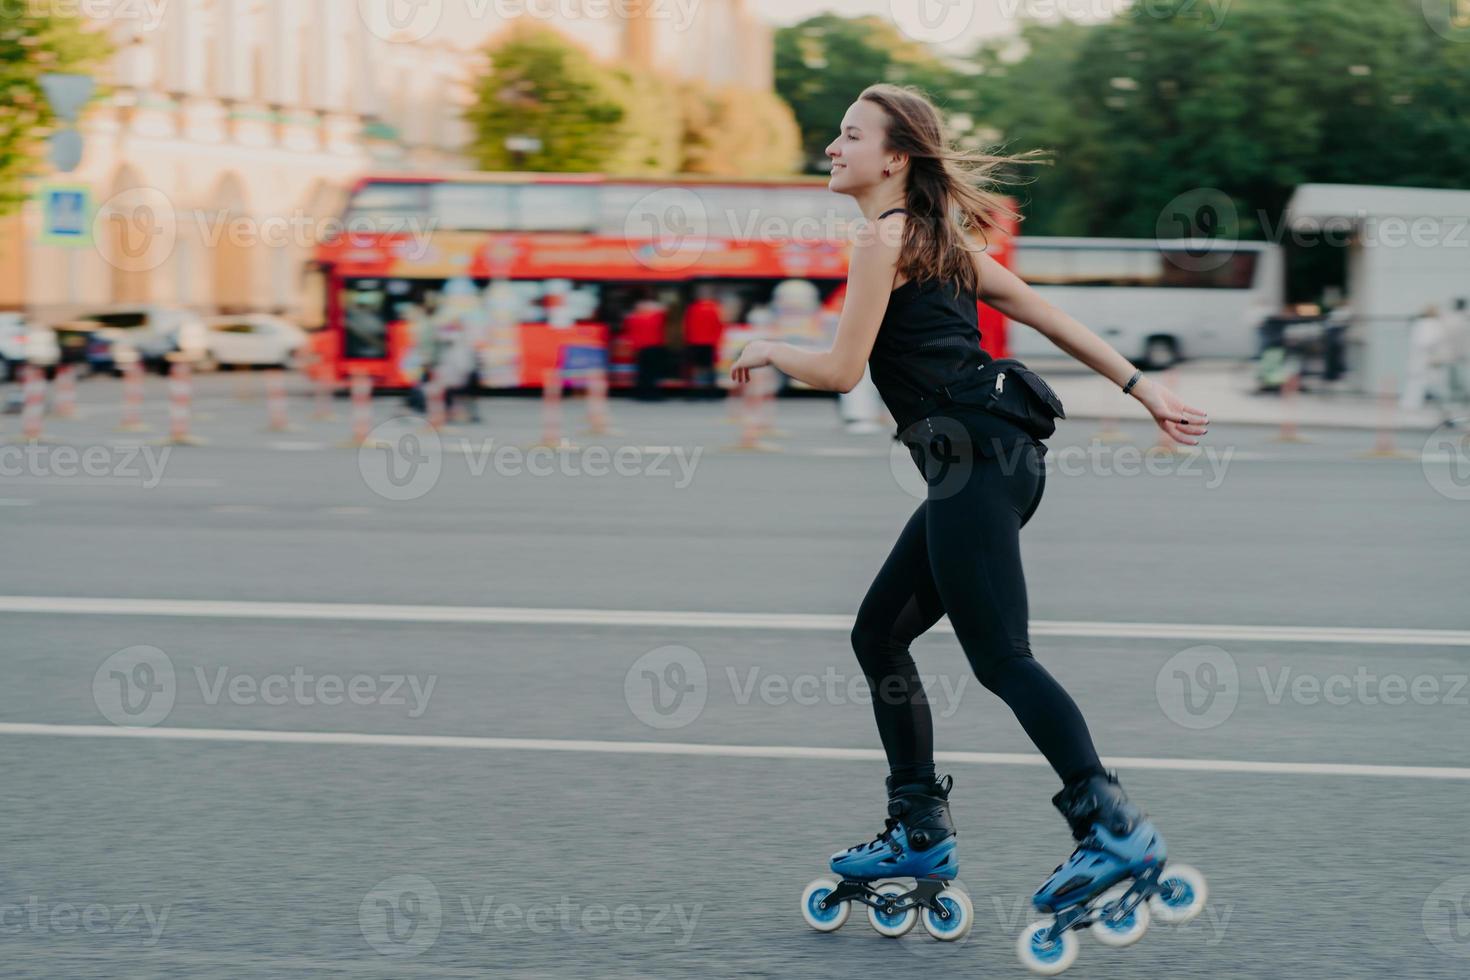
(857, 154)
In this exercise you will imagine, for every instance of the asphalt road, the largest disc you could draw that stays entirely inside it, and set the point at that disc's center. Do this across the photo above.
(518, 795)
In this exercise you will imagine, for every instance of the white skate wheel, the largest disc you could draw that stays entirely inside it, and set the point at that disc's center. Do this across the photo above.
(823, 920)
(897, 925)
(1112, 931)
(1182, 894)
(961, 916)
(1047, 959)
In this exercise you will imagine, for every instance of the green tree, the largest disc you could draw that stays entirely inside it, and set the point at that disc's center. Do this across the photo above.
(734, 132)
(542, 85)
(31, 45)
(1162, 101)
(649, 133)
(824, 63)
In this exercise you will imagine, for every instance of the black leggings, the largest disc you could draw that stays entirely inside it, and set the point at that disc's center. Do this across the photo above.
(960, 554)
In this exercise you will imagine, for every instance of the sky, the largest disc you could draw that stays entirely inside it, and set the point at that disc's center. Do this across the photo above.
(951, 25)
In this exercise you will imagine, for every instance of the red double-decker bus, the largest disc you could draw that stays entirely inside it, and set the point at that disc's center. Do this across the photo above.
(513, 270)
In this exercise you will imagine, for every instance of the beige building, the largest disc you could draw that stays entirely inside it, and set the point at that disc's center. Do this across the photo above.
(231, 128)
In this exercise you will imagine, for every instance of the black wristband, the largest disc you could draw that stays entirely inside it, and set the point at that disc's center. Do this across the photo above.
(1132, 381)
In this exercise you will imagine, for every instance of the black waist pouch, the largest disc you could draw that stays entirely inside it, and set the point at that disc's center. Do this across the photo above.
(1010, 390)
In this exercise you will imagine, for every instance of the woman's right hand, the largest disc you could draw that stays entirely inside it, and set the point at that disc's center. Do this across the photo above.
(1177, 420)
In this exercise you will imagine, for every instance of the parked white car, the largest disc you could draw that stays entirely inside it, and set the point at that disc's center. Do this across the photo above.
(253, 340)
(121, 334)
(23, 342)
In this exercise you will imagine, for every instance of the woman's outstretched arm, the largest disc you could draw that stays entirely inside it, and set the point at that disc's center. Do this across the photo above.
(870, 275)
(1008, 293)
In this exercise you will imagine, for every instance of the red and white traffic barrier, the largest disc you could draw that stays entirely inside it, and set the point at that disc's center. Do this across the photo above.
(180, 403)
(599, 420)
(434, 410)
(321, 398)
(1384, 445)
(65, 406)
(757, 410)
(1290, 393)
(132, 403)
(33, 413)
(361, 387)
(1110, 431)
(275, 401)
(551, 407)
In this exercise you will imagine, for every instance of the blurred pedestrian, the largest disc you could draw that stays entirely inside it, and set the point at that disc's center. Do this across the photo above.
(703, 327)
(1426, 355)
(644, 330)
(1457, 355)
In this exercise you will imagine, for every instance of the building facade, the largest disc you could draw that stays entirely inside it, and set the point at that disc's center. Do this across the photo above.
(230, 129)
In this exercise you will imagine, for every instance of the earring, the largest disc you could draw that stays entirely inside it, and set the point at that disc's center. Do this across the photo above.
(886, 173)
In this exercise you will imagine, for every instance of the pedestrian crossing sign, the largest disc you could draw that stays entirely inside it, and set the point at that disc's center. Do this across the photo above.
(66, 215)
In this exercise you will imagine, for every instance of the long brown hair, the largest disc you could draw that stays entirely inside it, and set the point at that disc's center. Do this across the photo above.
(948, 188)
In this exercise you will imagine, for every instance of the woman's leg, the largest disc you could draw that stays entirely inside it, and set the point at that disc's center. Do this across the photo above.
(974, 546)
(900, 605)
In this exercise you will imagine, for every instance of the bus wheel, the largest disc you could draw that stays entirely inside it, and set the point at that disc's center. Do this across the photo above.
(1159, 353)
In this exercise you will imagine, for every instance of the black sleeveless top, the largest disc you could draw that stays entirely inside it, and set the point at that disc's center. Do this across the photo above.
(930, 339)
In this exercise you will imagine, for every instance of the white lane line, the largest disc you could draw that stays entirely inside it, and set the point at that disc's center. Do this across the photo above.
(16, 502)
(111, 483)
(708, 750)
(801, 622)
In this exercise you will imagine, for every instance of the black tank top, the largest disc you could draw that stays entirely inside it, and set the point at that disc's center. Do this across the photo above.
(929, 340)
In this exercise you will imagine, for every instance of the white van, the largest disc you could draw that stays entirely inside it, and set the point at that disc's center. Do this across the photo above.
(1155, 300)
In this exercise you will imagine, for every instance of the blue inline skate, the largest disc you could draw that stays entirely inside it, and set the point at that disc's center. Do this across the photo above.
(1113, 882)
(918, 842)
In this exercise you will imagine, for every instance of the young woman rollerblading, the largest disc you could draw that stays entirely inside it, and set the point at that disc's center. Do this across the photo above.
(975, 429)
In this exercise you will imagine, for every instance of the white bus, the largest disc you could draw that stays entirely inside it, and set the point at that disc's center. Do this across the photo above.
(1155, 300)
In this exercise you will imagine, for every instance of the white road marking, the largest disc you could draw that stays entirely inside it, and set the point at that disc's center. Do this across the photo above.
(800, 622)
(108, 483)
(591, 746)
(15, 502)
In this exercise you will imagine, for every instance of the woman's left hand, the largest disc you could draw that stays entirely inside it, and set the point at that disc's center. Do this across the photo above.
(1177, 420)
(755, 354)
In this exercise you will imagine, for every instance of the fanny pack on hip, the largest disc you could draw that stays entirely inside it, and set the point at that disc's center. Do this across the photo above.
(1010, 390)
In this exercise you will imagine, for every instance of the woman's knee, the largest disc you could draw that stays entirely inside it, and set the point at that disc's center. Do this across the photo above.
(878, 653)
(995, 669)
